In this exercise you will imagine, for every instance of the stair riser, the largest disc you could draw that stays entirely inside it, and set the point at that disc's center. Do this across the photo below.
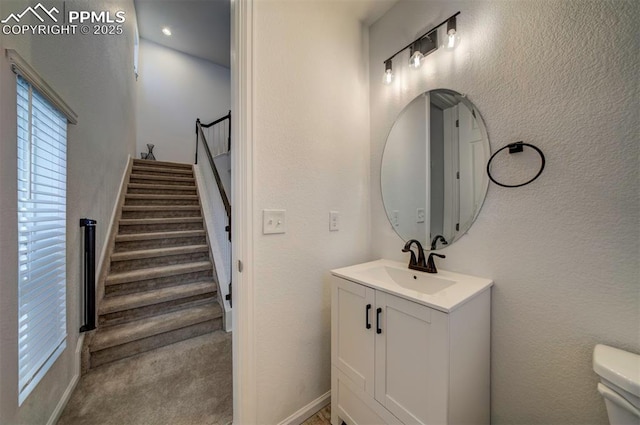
(162, 213)
(145, 263)
(140, 346)
(161, 201)
(156, 191)
(166, 173)
(157, 283)
(173, 181)
(125, 316)
(161, 164)
(161, 227)
(159, 243)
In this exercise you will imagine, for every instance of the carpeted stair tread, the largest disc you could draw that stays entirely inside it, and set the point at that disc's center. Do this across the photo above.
(112, 336)
(159, 235)
(155, 272)
(154, 163)
(151, 169)
(159, 196)
(142, 176)
(143, 208)
(138, 161)
(141, 299)
(161, 186)
(164, 220)
(158, 252)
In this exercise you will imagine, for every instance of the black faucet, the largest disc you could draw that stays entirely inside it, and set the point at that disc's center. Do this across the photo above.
(414, 264)
(420, 264)
(435, 241)
(431, 265)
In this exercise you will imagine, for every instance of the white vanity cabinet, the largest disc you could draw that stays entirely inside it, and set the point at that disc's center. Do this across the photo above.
(396, 360)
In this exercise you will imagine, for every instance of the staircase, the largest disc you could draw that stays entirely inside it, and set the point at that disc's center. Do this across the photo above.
(160, 286)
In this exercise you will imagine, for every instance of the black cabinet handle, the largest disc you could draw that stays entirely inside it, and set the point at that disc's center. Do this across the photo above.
(367, 316)
(378, 311)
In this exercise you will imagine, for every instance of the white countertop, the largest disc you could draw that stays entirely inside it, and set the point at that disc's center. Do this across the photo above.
(458, 287)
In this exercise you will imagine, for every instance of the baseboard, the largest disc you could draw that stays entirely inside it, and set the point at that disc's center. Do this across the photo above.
(214, 247)
(105, 253)
(57, 412)
(308, 411)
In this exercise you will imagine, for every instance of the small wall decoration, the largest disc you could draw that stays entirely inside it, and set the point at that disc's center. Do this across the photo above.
(150, 156)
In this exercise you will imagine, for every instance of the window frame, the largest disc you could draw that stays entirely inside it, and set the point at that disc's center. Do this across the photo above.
(47, 100)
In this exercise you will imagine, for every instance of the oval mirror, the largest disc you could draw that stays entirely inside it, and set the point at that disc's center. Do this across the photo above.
(433, 175)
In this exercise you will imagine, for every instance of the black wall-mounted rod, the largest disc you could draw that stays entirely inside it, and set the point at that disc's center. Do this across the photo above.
(89, 274)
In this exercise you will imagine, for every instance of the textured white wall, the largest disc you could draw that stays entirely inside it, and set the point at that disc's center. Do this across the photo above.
(563, 251)
(94, 75)
(173, 90)
(311, 133)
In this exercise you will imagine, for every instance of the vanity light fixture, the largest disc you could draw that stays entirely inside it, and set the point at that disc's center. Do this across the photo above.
(166, 31)
(423, 45)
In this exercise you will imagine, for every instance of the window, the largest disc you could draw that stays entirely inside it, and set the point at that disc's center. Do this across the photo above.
(42, 186)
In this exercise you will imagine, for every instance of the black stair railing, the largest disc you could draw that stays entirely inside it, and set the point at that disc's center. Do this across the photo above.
(221, 145)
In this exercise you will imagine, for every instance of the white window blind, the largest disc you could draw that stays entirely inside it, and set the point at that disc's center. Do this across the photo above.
(42, 186)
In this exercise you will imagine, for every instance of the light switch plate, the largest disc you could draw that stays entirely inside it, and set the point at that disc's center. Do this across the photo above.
(334, 221)
(273, 221)
(420, 215)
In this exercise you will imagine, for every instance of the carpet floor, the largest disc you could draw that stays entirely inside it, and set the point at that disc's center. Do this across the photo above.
(186, 383)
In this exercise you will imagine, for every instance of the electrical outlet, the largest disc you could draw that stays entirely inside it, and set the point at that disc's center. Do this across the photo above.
(395, 218)
(420, 215)
(334, 221)
(273, 221)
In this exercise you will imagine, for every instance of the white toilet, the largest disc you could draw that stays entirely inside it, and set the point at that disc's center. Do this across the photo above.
(619, 383)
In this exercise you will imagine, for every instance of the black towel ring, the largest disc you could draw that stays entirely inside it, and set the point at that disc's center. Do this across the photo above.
(513, 148)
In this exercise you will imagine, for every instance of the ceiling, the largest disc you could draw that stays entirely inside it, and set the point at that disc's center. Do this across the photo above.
(200, 28)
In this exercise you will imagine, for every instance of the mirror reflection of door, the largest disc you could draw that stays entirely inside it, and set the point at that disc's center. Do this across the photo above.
(472, 165)
(444, 165)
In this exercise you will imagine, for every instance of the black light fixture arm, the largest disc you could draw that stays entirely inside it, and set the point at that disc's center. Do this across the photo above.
(422, 36)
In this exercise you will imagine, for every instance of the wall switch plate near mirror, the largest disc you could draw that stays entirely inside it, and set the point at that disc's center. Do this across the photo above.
(433, 175)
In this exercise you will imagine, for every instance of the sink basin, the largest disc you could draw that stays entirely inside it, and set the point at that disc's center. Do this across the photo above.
(444, 290)
(410, 279)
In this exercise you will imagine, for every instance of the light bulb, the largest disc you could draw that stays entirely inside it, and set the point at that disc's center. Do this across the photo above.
(388, 72)
(166, 31)
(416, 60)
(388, 77)
(452, 38)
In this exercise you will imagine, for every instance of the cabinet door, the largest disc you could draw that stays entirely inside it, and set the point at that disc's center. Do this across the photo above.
(411, 362)
(352, 332)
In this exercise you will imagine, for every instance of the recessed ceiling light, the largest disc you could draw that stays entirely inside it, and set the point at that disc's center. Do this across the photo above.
(166, 31)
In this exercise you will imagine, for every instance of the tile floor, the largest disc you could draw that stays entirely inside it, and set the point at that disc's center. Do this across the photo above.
(323, 417)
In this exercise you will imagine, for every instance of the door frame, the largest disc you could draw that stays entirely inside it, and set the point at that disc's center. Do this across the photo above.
(243, 339)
